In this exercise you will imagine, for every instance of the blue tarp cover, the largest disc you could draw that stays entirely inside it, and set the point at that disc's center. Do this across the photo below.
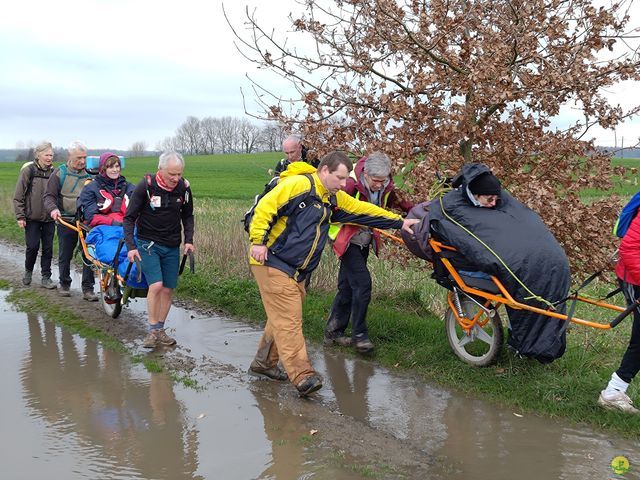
(104, 239)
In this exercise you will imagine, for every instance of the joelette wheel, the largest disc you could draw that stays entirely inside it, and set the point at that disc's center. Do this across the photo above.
(481, 345)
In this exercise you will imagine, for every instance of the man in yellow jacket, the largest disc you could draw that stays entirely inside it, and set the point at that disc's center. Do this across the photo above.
(287, 233)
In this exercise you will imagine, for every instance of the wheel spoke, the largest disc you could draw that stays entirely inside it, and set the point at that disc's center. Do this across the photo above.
(482, 335)
(465, 339)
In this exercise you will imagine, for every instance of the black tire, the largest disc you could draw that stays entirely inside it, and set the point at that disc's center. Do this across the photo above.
(483, 345)
(111, 309)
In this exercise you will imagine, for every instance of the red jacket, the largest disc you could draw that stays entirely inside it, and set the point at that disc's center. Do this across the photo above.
(358, 190)
(628, 267)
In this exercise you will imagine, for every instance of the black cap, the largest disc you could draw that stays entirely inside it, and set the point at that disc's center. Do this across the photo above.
(485, 184)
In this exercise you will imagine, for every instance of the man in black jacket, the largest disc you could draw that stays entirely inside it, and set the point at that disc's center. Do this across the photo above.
(161, 206)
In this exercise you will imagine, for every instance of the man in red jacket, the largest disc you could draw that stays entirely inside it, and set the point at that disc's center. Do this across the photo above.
(628, 273)
(373, 184)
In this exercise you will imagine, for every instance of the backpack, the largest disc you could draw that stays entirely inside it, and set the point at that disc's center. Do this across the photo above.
(34, 172)
(418, 241)
(248, 215)
(627, 215)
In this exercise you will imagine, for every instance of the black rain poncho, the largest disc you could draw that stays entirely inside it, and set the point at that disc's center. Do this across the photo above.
(521, 242)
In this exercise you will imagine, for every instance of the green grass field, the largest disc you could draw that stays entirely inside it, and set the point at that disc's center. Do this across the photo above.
(237, 177)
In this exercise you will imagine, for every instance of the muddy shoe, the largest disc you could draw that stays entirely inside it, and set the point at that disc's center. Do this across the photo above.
(26, 280)
(364, 346)
(64, 291)
(164, 339)
(89, 296)
(617, 401)
(273, 373)
(342, 341)
(309, 385)
(47, 283)
(150, 341)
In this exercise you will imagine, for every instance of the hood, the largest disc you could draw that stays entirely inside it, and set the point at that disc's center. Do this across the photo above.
(297, 168)
(468, 173)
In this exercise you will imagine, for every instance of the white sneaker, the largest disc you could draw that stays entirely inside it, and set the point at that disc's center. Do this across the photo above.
(617, 401)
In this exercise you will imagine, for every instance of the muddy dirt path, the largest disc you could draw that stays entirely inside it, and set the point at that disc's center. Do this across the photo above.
(366, 421)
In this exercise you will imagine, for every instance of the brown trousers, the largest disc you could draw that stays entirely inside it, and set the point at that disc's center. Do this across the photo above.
(282, 339)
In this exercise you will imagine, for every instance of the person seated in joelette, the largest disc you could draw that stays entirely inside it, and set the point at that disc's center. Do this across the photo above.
(104, 200)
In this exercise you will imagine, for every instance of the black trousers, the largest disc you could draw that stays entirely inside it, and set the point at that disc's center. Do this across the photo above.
(353, 297)
(630, 364)
(36, 233)
(67, 241)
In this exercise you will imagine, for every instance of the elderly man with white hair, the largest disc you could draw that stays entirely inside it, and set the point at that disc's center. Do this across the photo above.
(161, 207)
(63, 189)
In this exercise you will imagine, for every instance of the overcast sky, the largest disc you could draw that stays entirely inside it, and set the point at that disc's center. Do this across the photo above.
(113, 72)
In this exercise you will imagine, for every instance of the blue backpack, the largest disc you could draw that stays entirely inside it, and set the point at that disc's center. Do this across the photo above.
(627, 215)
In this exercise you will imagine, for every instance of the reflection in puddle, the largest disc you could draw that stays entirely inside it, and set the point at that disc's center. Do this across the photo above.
(92, 403)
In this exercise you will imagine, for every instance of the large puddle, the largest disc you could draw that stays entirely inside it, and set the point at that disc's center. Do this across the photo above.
(71, 409)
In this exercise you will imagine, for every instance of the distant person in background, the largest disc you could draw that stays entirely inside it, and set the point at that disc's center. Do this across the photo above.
(104, 201)
(28, 204)
(294, 151)
(161, 206)
(614, 396)
(63, 190)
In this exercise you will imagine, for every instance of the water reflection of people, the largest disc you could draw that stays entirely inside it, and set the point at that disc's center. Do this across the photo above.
(136, 426)
(284, 431)
(351, 393)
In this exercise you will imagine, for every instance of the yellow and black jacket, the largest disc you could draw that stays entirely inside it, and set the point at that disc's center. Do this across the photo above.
(292, 220)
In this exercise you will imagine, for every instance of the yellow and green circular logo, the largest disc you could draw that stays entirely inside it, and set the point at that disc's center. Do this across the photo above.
(620, 465)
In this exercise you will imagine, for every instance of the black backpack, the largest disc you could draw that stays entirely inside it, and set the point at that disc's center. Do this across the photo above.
(248, 215)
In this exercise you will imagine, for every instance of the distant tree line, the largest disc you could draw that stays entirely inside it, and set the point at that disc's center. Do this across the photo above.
(223, 135)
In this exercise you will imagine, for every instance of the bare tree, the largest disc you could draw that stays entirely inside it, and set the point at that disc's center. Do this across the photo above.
(272, 136)
(138, 148)
(189, 135)
(227, 134)
(210, 138)
(436, 84)
(249, 135)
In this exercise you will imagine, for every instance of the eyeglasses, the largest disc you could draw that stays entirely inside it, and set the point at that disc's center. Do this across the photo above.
(376, 181)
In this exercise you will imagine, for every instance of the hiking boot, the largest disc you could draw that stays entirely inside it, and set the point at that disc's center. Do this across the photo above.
(364, 346)
(47, 283)
(617, 401)
(309, 385)
(26, 280)
(151, 340)
(342, 341)
(64, 291)
(273, 373)
(89, 296)
(164, 339)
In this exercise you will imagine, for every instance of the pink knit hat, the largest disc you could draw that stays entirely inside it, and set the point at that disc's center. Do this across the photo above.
(104, 157)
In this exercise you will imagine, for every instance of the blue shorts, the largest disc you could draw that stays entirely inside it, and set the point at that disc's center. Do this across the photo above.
(159, 263)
